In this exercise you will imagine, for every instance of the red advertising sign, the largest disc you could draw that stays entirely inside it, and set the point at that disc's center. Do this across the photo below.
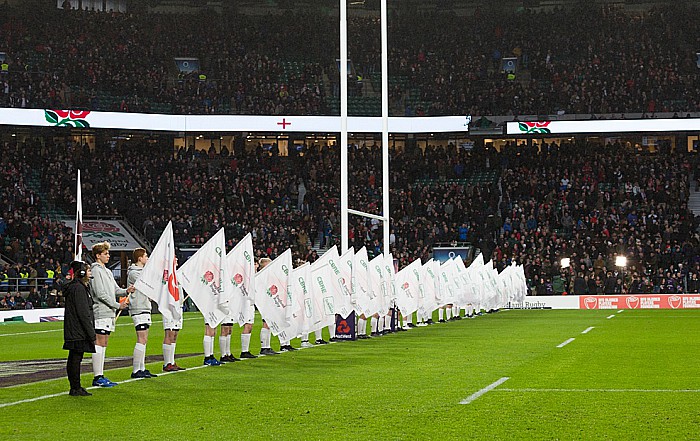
(641, 301)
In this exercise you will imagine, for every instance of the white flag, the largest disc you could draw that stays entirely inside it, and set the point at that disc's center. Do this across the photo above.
(322, 281)
(377, 286)
(204, 278)
(342, 300)
(271, 297)
(297, 290)
(78, 244)
(430, 288)
(408, 289)
(158, 280)
(360, 283)
(240, 267)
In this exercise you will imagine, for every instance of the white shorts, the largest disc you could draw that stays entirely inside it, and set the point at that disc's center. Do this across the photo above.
(141, 319)
(248, 312)
(172, 324)
(105, 324)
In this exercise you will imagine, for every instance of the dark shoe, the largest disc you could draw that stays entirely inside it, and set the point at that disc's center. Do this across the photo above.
(285, 348)
(211, 361)
(268, 351)
(150, 375)
(334, 339)
(101, 381)
(81, 392)
(229, 358)
(442, 321)
(458, 317)
(247, 355)
(321, 341)
(179, 368)
(139, 374)
(170, 368)
(410, 325)
(430, 322)
(363, 336)
(400, 329)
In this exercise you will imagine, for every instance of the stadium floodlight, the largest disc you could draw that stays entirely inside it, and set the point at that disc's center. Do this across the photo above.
(621, 261)
(565, 262)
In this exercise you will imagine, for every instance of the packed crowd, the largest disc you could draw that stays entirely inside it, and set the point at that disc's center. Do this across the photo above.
(577, 201)
(603, 60)
(591, 204)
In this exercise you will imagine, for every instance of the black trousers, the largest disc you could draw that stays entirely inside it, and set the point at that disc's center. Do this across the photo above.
(73, 368)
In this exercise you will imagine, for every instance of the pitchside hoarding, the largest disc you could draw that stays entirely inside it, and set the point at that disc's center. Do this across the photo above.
(602, 126)
(641, 301)
(112, 231)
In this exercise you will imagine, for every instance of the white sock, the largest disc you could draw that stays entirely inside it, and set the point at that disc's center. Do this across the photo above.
(264, 338)
(331, 331)
(166, 356)
(305, 337)
(284, 342)
(448, 313)
(228, 344)
(361, 326)
(208, 345)
(374, 324)
(222, 345)
(139, 362)
(172, 353)
(98, 360)
(455, 311)
(407, 319)
(387, 321)
(441, 314)
(245, 342)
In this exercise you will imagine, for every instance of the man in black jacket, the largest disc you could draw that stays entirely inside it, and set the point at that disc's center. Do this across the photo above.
(78, 325)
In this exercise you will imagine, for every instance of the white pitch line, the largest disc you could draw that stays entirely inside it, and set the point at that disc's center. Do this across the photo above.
(128, 380)
(603, 390)
(488, 388)
(611, 316)
(61, 328)
(561, 345)
(621, 311)
(588, 330)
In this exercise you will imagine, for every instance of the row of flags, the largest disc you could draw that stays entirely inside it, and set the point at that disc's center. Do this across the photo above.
(295, 301)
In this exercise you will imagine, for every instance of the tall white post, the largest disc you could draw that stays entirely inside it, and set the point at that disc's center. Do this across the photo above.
(385, 127)
(344, 224)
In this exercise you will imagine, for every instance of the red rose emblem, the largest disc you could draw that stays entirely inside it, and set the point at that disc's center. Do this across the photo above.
(208, 276)
(62, 113)
(79, 114)
(405, 285)
(535, 127)
(273, 290)
(238, 279)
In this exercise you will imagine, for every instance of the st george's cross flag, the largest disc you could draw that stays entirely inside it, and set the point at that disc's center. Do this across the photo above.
(158, 280)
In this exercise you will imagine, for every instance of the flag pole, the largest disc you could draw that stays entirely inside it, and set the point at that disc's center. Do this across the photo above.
(78, 243)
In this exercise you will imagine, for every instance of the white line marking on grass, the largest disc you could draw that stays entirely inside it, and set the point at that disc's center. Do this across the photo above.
(588, 330)
(488, 388)
(604, 390)
(561, 345)
(61, 328)
(611, 316)
(621, 311)
(128, 380)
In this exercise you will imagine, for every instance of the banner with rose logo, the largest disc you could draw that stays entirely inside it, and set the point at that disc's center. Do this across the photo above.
(67, 118)
(271, 293)
(240, 268)
(408, 289)
(204, 278)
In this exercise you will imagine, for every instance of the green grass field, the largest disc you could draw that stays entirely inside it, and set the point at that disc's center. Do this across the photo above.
(633, 376)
